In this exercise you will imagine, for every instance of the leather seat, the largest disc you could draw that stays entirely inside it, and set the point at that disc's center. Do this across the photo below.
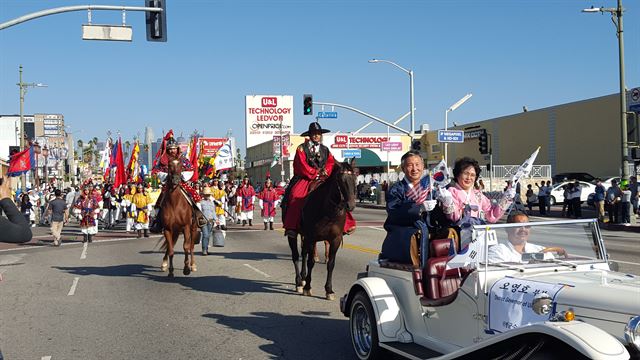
(438, 282)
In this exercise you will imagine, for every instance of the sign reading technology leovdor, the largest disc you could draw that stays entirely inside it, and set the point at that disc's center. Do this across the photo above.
(264, 115)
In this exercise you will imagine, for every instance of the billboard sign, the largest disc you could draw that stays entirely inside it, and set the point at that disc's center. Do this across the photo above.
(209, 146)
(264, 115)
(358, 141)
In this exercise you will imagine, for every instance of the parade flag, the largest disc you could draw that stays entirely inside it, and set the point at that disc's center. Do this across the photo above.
(440, 175)
(120, 177)
(275, 160)
(193, 158)
(419, 192)
(224, 157)
(21, 162)
(525, 168)
(132, 168)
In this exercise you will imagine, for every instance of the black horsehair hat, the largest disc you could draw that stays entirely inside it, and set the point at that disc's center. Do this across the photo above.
(314, 126)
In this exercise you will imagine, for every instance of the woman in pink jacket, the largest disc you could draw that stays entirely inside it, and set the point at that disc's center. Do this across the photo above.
(465, 204)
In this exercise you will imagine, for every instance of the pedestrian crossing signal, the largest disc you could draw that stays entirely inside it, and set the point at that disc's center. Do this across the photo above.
(308, 104)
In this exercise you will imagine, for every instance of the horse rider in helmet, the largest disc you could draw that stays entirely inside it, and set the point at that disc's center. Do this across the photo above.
(172, 152)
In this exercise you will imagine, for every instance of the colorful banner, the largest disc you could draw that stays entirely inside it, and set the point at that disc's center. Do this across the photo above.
(210, 146)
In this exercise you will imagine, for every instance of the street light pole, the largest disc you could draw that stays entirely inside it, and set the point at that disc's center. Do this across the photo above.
(23, 89)
(446, 118)
(616, 17)
(410, 73)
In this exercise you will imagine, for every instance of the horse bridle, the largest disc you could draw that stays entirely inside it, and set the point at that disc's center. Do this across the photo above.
(343, 198)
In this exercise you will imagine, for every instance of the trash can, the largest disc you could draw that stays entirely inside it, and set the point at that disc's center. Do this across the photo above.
(381, 197)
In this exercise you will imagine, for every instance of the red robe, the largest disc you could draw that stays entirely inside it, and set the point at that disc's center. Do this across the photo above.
(246, 193)
(269, 196)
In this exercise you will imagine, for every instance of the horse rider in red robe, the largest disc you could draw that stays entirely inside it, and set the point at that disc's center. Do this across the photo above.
(170, 151)
(312, 162)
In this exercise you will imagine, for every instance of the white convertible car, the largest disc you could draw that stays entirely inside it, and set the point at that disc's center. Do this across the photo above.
(558, 299)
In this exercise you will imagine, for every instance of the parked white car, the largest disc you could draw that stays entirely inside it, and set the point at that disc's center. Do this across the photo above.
(557, 300)
(557, 192)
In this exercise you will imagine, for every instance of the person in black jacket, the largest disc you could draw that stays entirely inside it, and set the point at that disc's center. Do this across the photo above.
(14, 228)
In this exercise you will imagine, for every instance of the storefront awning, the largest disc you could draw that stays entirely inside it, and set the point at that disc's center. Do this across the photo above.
(369, 159)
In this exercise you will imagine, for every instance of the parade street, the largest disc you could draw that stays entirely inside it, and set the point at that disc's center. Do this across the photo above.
(109, 299)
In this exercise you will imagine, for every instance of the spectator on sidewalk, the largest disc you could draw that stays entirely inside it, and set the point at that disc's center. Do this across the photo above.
(634, 187)
(70, 199)
(613, 198)
(575, 197)
(542, 198)
(598, 199)
(625, 203)
(531, 198)
(59, 216)
(14, 227)
(567, 205)
(549, 188)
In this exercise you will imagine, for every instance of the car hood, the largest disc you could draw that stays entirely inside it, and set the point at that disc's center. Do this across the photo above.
(598, 290)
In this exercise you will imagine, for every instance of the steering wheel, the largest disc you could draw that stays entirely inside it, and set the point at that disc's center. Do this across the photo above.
(556, 249)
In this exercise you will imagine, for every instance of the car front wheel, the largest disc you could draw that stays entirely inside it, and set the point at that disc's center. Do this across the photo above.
(364, 333)
(552, 200)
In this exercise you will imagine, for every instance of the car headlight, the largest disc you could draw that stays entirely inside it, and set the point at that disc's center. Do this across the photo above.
(632, 332)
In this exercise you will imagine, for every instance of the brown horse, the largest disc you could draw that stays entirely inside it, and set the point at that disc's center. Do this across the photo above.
(323, 216)
(178, 217)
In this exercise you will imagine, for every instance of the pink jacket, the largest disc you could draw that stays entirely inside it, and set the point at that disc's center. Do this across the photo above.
(492, 212)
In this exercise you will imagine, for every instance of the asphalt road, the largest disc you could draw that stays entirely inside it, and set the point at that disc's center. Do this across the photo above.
(109, 299)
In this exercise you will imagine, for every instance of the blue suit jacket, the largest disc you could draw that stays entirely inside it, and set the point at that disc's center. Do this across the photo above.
(402, 214)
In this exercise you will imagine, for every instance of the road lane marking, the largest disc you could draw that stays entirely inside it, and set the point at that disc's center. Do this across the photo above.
(72, 291)
(362, 249)
(46, 358)
(379, 228)
(258, 271)
(84, 251)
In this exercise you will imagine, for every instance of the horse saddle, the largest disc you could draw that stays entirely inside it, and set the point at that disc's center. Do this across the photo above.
(314, 184)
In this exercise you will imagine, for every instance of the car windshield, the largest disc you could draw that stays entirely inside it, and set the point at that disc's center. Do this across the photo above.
(548, 242)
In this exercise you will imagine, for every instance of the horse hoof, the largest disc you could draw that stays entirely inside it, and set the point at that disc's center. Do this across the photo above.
(306, 292)
(194, 268)
(164, 267)
(316, 259)
(186, 271)
(331, 296)
(299, 289)
(303, 283)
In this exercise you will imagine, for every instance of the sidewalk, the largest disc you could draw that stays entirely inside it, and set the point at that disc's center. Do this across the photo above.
(554, 214)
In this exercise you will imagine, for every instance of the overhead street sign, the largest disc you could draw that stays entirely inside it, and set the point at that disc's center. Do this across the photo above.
(327, 115)
(352, 153)
(450, 136)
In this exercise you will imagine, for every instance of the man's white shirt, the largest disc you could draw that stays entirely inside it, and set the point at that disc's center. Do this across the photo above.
(507, 253)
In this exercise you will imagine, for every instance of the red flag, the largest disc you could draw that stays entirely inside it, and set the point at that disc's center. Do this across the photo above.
(120, 176)
(193, 158)
(21, 162)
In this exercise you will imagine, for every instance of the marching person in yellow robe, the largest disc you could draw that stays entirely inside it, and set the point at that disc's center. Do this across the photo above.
(142, 204)
(220, 199)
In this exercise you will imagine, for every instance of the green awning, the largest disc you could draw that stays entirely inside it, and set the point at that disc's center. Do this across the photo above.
(369, 159)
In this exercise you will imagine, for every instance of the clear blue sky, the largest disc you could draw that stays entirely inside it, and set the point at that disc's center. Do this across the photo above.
(536, 53)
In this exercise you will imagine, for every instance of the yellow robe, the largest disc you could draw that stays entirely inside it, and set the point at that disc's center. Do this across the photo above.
(141, 201)
(219, 194)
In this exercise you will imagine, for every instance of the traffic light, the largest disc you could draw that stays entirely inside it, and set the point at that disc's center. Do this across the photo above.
(483, 143)
(13, 150)
(308, 104)
(416, 145)
(156, 21)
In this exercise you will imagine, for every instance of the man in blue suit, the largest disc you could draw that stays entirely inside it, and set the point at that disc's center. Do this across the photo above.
(406, 203)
